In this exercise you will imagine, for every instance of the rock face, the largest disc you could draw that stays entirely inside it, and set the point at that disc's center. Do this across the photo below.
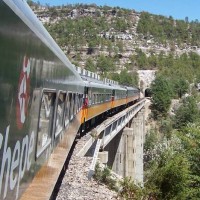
(146, 77)
(75, 184)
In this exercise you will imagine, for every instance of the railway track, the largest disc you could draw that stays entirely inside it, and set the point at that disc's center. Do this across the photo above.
(73, 181)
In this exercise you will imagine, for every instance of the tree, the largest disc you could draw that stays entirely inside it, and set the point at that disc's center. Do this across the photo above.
(105, 64)
(115, 77)
(130, 190)
(120, 46)
(121, 24)
(30, 3)
(152, 61)
(187, 113)
(170, 177)
(141, 59)
(181, 87)
(89, 65)
(110, 47)
(161, 96)
(190, 137)
(127, 78)
(166, 127)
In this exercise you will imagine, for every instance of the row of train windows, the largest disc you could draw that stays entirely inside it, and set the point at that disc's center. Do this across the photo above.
(99, 98)
(120, 96)
(55, 115)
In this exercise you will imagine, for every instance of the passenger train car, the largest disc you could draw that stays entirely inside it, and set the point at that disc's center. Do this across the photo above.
(43, 103)
(105, 96)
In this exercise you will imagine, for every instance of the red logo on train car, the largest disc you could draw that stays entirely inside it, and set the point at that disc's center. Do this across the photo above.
(23, 93)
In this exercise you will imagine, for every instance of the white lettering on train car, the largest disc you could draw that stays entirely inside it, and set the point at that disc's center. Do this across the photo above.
(14, 164)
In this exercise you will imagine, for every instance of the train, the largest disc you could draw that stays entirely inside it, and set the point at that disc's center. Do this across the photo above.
(45, 102)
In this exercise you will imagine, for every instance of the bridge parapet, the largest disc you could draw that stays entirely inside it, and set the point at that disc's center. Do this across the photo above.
(112, 126)
(117, 142)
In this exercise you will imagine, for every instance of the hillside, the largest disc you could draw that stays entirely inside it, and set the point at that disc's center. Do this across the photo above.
(111, 41)
(79, 27)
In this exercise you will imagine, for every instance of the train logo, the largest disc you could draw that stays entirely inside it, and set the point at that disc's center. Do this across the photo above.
(23, 93)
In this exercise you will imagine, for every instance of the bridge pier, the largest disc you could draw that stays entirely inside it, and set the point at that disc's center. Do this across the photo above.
(125, 151)
(138, 126)
(103, 157)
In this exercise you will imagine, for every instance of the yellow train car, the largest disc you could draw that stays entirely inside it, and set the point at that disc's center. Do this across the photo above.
(103, 97)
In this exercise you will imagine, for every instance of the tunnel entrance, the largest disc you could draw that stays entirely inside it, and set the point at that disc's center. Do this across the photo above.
(148, 92)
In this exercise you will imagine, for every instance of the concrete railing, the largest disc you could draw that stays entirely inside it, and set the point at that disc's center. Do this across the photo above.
(112, 126)
(109, 128)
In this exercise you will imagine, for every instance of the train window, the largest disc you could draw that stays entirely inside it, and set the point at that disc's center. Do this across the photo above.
(93, 98)
(75, 103)
(90, 96)
(67, 109)
(59, 113)
(101, 98)
(45, 122)
(97, 98)
(107, 97)
(80, 101)
(72, 106)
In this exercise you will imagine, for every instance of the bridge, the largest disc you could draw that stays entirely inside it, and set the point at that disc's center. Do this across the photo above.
(118, 143)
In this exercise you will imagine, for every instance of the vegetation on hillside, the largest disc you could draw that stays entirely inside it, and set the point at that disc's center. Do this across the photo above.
(172, 149)
(165, 29)
(77, 30)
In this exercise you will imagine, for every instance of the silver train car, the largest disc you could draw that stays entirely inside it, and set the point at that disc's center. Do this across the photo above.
(43, 103)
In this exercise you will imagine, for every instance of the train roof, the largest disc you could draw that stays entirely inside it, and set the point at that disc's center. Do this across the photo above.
(89, 83)
(91, 78)
(119, 87)
(22, 9)
(131, 88)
